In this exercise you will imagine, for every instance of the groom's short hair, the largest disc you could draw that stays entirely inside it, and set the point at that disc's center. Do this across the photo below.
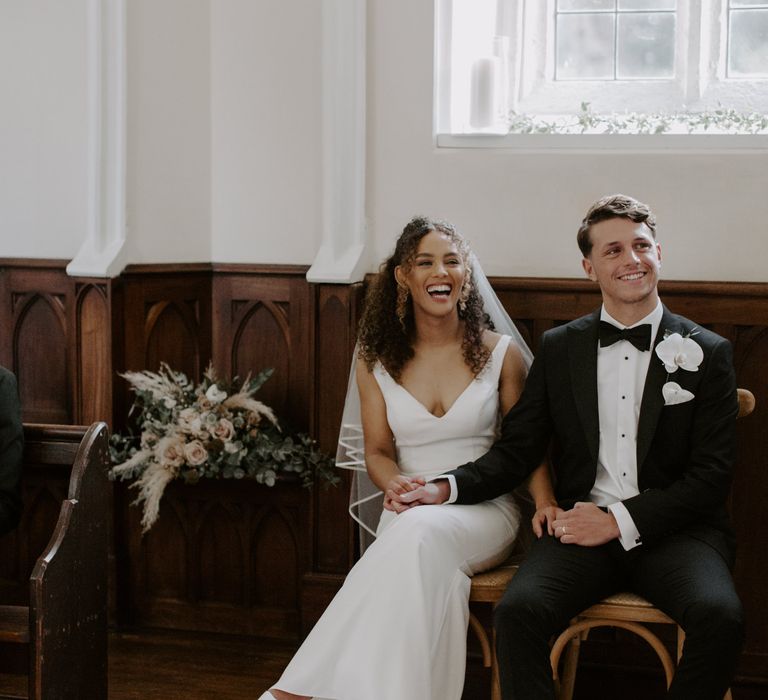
(614, 206)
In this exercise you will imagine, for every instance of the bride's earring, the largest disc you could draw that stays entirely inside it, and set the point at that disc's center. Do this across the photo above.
(402, 304)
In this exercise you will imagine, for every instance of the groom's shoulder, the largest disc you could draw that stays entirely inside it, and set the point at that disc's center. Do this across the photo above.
(579, 324)
(687, 327)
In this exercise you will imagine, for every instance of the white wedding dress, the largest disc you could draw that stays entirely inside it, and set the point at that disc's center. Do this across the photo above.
(397, 629)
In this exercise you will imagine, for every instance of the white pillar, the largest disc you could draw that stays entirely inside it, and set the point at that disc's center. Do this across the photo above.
(342, 256)
(103, 251)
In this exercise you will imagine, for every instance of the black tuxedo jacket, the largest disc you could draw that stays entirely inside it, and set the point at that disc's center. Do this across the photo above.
(11, 448)
(684, 452)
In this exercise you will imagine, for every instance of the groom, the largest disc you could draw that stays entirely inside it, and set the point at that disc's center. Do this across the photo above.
(641, 428)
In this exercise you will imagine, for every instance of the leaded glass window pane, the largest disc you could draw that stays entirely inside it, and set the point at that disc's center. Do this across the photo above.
(585, 5)
(627, 39)
(647, 5)
(748, 43)
(585, 46)
(646, 45)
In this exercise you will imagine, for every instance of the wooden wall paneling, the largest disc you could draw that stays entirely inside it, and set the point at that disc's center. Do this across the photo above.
(335, 336)
(165, 312)
(749, 494)
(167, 317)
(261, 319)
(223, 556)
(55, 336)
(37, 326)
(93, 349)
(337, 309)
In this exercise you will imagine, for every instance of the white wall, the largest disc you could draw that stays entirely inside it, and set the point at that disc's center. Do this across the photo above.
(43, 128)
(168, 137)
(224, 154)
(521, 212)
(265, 105)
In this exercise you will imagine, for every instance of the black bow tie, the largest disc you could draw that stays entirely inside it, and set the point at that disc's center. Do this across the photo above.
(639, 336)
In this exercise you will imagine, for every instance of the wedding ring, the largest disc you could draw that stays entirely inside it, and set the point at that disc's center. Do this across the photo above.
(565, 532)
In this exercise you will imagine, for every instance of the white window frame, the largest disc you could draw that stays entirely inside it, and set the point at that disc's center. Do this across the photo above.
(536, 91)
(700, 83)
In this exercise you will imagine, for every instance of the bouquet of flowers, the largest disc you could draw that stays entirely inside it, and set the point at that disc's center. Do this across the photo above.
(214, 429)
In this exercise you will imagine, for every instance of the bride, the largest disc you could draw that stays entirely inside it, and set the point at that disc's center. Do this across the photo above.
(432, 380)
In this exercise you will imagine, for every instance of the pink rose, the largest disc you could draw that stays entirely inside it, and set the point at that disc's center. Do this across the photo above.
(224, 430)
(173, 454)
(195, 453)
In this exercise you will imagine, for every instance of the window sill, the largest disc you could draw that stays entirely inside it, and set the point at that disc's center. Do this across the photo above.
(612, 143)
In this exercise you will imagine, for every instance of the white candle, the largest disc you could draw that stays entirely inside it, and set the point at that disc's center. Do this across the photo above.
(482, 110)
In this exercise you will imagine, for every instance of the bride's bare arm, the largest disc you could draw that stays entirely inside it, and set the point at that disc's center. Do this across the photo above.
(380, 458)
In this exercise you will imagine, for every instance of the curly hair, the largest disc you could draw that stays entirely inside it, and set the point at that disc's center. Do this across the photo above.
(613, 206)
(382, 336)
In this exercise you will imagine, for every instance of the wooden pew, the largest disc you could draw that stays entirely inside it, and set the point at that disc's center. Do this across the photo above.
(64, 623)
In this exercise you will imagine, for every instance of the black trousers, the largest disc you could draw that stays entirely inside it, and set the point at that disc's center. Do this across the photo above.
(683, 576)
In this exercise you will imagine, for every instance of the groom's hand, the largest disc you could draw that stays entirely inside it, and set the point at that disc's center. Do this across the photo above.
(587, 525)
(433, 493)
(397, 486)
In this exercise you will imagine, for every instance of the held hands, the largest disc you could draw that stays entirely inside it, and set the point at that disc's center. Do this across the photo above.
(585, 524)
(545, 516)
(433, 493)
(396, 487)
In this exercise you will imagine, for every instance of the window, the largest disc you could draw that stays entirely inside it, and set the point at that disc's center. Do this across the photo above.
(558, 65)
(747, 39)
(609, 40)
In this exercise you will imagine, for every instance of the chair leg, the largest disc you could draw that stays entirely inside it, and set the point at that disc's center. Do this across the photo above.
(570, 665)
(482, 637)
(564, 686)
(495, 683)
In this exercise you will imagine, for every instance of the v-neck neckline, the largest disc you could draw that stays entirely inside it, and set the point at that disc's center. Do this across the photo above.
(458, 398)
(426, 410)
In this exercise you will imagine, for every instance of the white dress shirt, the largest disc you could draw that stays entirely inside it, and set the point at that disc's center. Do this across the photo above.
(621, 372)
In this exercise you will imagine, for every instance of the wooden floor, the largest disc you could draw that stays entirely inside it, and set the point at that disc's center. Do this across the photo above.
(175, 666)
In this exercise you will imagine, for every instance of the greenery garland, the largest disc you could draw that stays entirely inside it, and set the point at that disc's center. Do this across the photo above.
(721, 121)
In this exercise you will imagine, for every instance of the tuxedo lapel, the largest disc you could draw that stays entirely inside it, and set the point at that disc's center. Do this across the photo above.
(653, 399)
(582, 358)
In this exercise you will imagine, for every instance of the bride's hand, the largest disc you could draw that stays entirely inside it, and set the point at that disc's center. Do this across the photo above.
(397, 486)
(544, 516)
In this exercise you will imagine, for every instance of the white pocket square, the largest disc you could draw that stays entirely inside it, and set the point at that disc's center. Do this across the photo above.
(673, 394)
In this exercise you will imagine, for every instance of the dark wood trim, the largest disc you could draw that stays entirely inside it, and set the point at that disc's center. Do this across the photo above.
(34, 263)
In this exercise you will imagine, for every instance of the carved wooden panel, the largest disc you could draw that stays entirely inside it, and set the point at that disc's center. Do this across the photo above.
(94, 352)
(261, 319)
(335, 331)
(223, 556)
(167, 318)
(262, 338)
(58, 341)
(40, 348)
(36, 321)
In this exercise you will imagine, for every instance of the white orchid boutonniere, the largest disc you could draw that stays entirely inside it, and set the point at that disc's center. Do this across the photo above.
(678, 351)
